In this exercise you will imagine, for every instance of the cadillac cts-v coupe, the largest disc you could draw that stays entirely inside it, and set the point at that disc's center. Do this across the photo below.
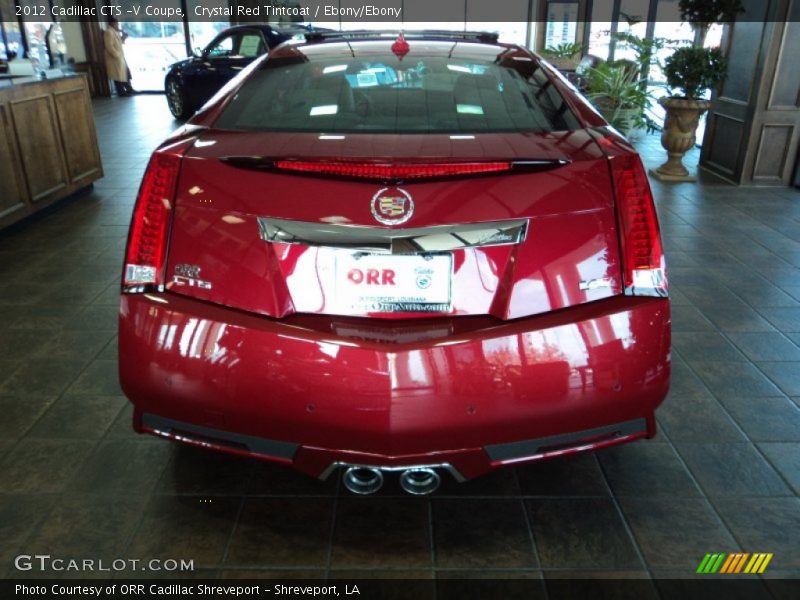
(375, 253)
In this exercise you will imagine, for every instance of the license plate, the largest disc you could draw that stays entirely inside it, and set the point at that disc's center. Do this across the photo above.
(367, 282)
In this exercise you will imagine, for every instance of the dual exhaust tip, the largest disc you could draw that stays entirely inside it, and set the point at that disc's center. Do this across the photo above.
(418, 481)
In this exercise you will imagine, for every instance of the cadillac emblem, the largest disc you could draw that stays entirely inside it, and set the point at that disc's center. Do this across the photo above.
(392, 206)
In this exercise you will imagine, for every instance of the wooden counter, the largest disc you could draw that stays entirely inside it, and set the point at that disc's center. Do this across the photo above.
(48, 144)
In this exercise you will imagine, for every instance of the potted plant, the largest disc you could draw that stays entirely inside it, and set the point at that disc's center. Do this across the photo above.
(615, 90)
(564, 57)
(702, 14)
(692, 71)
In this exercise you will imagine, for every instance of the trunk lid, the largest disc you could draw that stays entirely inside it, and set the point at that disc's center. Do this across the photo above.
(222, 249)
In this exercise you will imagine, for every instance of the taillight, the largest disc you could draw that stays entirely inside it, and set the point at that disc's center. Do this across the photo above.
(382, 171)
(149, 232)
(643, 263)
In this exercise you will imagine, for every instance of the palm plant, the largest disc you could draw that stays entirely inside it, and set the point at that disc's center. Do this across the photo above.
(616, 92)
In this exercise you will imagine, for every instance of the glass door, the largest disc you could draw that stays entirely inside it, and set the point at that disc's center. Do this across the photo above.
(151, 47)
(202, 32)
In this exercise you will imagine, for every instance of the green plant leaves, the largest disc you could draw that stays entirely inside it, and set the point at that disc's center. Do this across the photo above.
(694, 70)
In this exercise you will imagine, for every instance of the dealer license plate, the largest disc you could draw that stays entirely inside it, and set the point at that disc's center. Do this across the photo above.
(369, 282)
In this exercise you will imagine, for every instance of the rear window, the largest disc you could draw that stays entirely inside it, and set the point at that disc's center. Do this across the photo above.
(381, 94)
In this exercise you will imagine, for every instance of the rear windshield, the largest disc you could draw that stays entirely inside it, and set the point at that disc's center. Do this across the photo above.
(381, 94)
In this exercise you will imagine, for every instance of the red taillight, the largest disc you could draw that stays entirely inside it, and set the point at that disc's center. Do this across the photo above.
(366, 170)
(643, 261)
(147, 242)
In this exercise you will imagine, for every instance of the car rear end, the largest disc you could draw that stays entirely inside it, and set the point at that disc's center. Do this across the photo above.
(422, 261)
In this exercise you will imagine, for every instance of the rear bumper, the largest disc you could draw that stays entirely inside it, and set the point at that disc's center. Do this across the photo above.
(315, 395)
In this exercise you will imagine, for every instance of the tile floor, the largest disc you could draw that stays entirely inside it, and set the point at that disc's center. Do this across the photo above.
(722, 475)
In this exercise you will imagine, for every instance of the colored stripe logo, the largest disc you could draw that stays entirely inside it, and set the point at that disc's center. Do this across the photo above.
(736, 562)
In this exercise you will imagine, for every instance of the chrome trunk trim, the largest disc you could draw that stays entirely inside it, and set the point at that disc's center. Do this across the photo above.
(437, 238)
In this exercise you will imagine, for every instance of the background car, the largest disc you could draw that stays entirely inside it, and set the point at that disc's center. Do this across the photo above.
(191, 82)
(417, 255)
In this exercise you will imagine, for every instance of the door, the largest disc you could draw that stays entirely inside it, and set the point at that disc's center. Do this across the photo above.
(223, 59)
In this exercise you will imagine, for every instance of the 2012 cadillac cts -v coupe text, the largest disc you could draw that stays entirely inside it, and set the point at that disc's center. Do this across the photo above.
(375, 253)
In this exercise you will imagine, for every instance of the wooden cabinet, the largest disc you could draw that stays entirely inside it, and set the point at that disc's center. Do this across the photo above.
(48, 144)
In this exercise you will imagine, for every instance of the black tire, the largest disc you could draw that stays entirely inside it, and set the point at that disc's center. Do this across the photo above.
(176, 100)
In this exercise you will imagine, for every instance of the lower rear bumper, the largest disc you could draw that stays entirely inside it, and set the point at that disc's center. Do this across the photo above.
(578, 379)
(461, 465)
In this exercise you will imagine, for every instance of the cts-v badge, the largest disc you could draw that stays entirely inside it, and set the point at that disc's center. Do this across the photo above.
(392, 206)
(189, 275)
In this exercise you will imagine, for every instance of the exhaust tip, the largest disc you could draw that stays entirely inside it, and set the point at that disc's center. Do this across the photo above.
(420, 482)
(362, 480)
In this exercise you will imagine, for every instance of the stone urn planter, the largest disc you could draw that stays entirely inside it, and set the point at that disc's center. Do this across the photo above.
(683, 116)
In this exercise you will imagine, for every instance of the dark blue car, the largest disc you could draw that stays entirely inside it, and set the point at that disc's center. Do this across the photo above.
(191, 82)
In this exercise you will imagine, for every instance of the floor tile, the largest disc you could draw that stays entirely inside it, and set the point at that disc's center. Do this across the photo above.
(765, 525)
(74, 345)
(98, 318)
(24, 344)
(481, 533)
(675, 532)
(786, 375)
(697, 419)
(270, 479)
(193, 470)
(765, 346)
(119, 465)
(771, 419)
(703, 346)
(282, 532)
(732, 470)
(785, 459)
(689, 319)
(101, 378)
(684, 382)
(498, 483)
(186, 527)
(581, 532)
(785, 319)
(20, 514)
(577, 475)
(109, 351)
(735, 379)
(42, 377)
(88, 525)
(42, 466)
(20, 413)
(402, 540)
(737, 318)
(646, 469)
(78, 417)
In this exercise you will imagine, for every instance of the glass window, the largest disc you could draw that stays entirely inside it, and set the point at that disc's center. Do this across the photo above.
(562, 24)
(381, 94)
(201, 33)
(152, 46)
(222, 48)
(251, 45)
(36, 34)
(13, 39)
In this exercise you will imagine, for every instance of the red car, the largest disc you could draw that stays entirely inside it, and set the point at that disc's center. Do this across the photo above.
(376, 253)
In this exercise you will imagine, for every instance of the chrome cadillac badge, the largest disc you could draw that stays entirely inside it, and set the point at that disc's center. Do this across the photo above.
(392, 206)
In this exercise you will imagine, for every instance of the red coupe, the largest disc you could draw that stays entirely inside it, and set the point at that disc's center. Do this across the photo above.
(384, 253)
